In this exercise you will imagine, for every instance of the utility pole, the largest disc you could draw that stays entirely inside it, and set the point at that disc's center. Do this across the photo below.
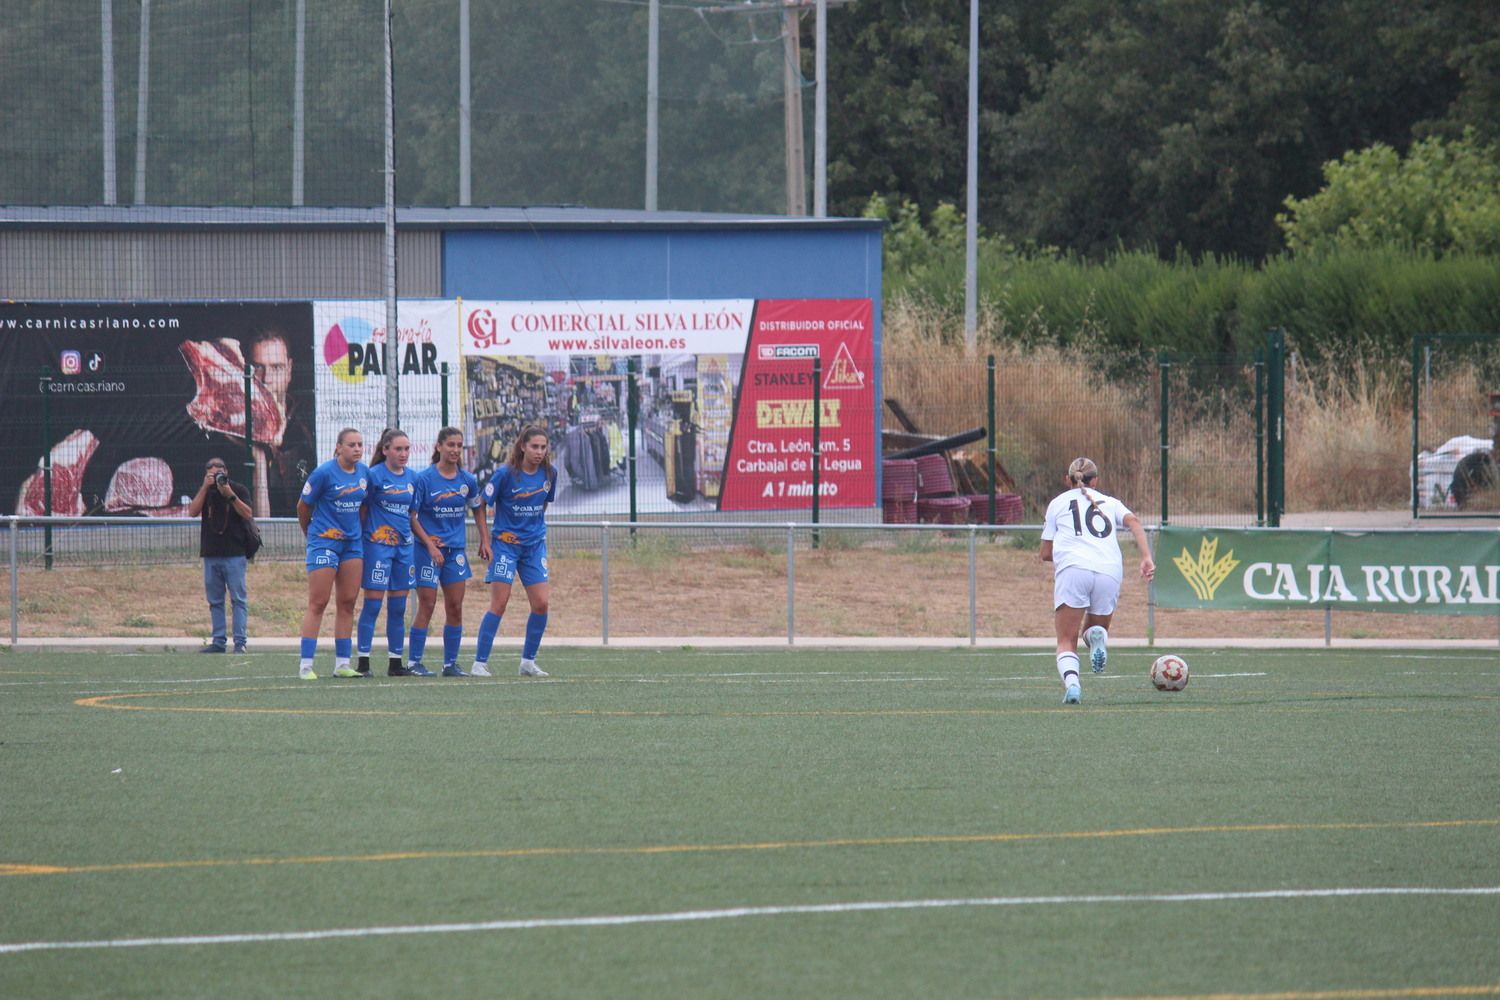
(653, 100)
(796, 167)
(107, 101)
(796, 180)
(142, 102)
(299, 106)
(465, 109)
(820, 115)
(971, 223)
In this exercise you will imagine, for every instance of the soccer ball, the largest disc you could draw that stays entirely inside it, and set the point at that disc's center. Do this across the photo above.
(1169, 672)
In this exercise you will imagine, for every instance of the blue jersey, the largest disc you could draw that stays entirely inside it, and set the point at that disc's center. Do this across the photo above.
(441, 504)
(520, 501)
(335, 497)
(388, 507)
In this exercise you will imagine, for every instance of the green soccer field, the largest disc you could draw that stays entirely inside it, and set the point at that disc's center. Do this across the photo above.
(751, 824)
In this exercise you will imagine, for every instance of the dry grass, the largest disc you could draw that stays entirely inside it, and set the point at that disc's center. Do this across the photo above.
(1348, 422)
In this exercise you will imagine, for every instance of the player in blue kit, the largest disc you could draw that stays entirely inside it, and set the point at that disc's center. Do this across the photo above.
(328, 511)
(389, 572)
(520, 491)
(445, 493)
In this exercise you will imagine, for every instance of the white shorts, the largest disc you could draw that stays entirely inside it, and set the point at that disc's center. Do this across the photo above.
(1083, 588)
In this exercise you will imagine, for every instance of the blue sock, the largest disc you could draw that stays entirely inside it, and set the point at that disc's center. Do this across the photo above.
(488, 626)
(309, 647)
(453, 636)
(418, 643)
(395, 625)
(368, 616)
(535, 626)
(341, 648)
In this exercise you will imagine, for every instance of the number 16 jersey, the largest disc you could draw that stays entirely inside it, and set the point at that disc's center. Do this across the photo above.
(1085, 534)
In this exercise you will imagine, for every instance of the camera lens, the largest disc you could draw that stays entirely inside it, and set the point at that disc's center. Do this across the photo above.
(221, 478)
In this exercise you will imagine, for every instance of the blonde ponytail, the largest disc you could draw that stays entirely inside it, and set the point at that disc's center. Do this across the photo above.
(1081, 472)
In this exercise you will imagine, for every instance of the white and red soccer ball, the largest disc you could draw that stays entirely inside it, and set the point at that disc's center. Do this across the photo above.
(1169, 672)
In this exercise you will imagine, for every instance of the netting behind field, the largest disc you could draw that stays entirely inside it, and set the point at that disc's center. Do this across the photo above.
(202, 102)
(1456, 393)
(1049, 410)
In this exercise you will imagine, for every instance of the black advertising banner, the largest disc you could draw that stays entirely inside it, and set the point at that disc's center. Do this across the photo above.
(130, 401)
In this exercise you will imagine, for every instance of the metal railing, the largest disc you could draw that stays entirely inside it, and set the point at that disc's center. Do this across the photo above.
(174, 540)
(166, 540)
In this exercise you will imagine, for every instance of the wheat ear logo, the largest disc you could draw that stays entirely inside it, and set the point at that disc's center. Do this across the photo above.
(1205, 573)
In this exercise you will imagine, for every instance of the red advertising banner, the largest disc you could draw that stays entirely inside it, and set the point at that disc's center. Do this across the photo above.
(770, 460)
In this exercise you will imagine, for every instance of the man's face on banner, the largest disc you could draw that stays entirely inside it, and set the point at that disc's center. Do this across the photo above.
(273, 365)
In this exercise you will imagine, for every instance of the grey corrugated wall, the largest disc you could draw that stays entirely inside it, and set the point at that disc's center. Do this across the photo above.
(176, 265)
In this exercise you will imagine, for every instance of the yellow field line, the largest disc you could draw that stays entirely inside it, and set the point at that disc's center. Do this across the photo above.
(107, 701)
(20, 868)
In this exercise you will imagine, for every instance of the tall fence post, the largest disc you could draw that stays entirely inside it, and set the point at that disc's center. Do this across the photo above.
(1276, 426)
(250, 430)
(632, 412)
(46, 385)
(604, 587)
(1260, 438)
(817, 442)
(990, 428)
(1164, 366)
(973, 587)
(15, 587)
(1151, 536)
(1416, 426)
(443, 391)
(791, 584)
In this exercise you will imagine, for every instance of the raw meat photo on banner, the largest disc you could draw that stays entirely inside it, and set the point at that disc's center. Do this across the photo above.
(130, 400)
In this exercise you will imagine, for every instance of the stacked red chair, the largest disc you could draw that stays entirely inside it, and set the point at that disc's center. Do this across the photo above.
(1008, 508)
(898, 491)
(937, 499)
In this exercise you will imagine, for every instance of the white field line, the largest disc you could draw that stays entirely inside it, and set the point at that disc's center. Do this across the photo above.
(734, 913)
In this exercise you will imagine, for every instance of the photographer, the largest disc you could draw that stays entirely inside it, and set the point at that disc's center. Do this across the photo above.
(224, 507)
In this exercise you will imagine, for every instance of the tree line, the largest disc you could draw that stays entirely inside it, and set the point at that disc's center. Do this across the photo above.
(1170, 126)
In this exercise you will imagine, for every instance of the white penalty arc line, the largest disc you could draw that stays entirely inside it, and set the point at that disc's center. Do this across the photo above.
(734, 913)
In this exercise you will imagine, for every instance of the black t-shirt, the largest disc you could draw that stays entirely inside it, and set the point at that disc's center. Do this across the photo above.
(222, 530)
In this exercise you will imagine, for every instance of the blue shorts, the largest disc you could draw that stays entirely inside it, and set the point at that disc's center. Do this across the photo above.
(529, 560)
(455, 567)
(331, 553)
(388, 567)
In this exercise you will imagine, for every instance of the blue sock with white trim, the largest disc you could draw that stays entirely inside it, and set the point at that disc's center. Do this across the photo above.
(535, 625)
(484, 641)
(395, 625)
(453, 637)
(368, 616)
(418, 643)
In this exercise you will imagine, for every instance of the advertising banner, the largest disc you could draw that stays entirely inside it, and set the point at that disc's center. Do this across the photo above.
(725, 419)
(130, 401)
(1428, 572)
(349, 358)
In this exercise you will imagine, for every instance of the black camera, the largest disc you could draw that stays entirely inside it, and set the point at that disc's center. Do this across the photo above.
(221, 479)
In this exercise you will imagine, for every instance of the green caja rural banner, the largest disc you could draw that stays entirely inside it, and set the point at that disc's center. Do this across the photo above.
(1423, 572)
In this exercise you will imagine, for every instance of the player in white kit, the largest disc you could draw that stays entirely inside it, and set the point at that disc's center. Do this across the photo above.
(1080, 538)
